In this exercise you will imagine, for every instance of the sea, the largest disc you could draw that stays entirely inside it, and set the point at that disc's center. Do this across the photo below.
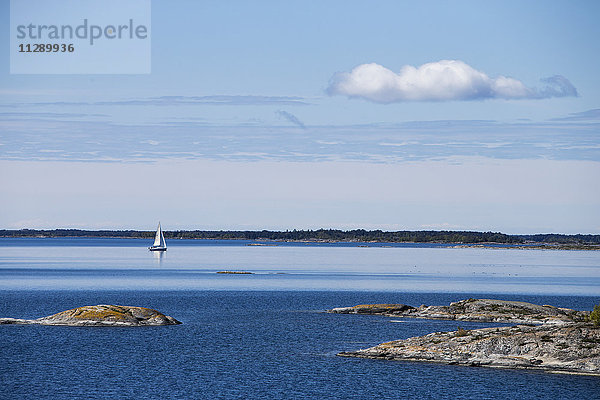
(266, 335)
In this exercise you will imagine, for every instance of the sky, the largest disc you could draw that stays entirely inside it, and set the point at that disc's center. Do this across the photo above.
(392, 115)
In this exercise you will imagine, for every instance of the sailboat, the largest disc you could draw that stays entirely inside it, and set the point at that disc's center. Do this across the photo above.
(159, 241)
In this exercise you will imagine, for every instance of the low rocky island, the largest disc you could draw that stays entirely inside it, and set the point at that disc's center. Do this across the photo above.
(100, 315)
(548, 338)
(484, 310)
(235, 272)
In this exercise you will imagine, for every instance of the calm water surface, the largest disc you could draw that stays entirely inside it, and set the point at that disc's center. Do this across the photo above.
(191, 264)
(266, 335)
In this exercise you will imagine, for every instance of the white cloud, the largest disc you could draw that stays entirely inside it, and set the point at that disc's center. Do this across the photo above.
(443, 80)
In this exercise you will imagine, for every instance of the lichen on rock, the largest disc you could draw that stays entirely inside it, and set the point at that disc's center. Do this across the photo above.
(572, 348)
(551, 338)
(101, 315)
(484, 310)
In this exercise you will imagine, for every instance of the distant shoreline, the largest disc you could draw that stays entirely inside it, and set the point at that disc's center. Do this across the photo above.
(454, 239)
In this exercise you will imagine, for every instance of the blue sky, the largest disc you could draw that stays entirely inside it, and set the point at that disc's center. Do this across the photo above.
(342, 114)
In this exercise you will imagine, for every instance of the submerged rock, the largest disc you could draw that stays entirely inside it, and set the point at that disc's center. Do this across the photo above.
(101, 315)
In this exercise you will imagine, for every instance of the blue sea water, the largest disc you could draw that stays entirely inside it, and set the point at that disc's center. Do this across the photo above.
(266, 335)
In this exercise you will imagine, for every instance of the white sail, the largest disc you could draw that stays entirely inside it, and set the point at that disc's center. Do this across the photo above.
(158, 239)
(163, 243)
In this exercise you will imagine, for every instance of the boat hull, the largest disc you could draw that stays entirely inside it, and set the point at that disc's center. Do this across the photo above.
(157, 248)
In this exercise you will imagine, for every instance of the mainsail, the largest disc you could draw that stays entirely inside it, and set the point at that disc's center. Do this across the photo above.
(159, 240)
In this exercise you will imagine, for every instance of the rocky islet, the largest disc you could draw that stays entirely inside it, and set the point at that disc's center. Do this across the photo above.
(100, 315)
(547, 338)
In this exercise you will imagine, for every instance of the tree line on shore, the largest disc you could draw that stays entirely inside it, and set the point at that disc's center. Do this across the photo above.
(334, 235)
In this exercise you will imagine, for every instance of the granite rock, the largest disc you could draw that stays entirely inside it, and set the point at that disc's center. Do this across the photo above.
(484, 310)
(549, 338)
(567, 348)
(101, 315)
